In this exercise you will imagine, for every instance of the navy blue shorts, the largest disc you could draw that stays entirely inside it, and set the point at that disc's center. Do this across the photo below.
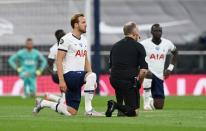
(157, 88)
(74, 81)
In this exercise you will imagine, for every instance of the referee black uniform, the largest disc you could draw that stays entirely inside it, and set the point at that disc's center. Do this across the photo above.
(127, 61)
(126, 58)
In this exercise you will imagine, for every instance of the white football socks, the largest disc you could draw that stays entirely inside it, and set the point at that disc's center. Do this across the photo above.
(58, 107)
(56, 98)
(53, 97)
(62, 100)
(89, 91)
(88, 101)
(147, 95)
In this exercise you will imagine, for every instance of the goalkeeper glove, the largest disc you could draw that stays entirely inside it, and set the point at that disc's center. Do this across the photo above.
(38, 72)
(19, 69)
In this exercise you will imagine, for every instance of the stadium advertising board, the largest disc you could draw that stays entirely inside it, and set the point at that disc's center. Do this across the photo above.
(175, 85)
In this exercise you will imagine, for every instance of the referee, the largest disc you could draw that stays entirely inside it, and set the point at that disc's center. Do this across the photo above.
(128, 68)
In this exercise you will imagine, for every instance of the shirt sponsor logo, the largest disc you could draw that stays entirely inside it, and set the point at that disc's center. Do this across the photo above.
(81, 53)
(157, 56)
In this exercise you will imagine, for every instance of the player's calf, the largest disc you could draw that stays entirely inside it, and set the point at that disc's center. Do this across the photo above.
(55, 98)
(58, 107)
(89, 88)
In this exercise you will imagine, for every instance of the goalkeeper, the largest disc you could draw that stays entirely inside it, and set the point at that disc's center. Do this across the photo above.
(26, 62)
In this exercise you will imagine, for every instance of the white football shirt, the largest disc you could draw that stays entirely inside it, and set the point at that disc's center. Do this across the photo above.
(76, 52)
(156, 55)
(53, 55)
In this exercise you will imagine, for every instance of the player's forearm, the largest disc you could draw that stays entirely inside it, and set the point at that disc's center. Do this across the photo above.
(173, 61)
(60, 70)
(142, 74)
(174, 57)
(43, 63)
(50, 65)
(60, 57)
(12, 62)
(87, 67)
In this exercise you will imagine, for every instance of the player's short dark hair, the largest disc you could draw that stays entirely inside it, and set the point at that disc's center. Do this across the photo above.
(129, 28)
(29, 39)
(75, 19)
(155, 26)
(59, 34)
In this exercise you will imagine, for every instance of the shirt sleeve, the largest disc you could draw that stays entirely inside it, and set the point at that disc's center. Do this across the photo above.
(51, 54)
(172, 47)
(142, 57)
(63, 44)
(43, 61)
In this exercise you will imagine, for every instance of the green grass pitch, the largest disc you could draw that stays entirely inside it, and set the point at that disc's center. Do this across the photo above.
(180, 114)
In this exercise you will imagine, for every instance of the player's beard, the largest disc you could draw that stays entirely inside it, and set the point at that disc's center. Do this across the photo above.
(157, 36)
(82, 31)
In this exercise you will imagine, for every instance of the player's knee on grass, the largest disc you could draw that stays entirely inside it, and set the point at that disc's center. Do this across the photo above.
(158, 103)
(131, 113)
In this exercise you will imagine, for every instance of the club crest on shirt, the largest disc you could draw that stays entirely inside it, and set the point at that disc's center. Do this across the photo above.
(80, 44)
(157, 48)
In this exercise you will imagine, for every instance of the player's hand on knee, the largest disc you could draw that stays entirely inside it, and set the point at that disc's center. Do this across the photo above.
(19, 69)
(149, 74)
(63, 86)
(167, 73)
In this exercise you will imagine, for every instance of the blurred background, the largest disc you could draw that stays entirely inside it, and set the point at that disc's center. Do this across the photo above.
(183, 23)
